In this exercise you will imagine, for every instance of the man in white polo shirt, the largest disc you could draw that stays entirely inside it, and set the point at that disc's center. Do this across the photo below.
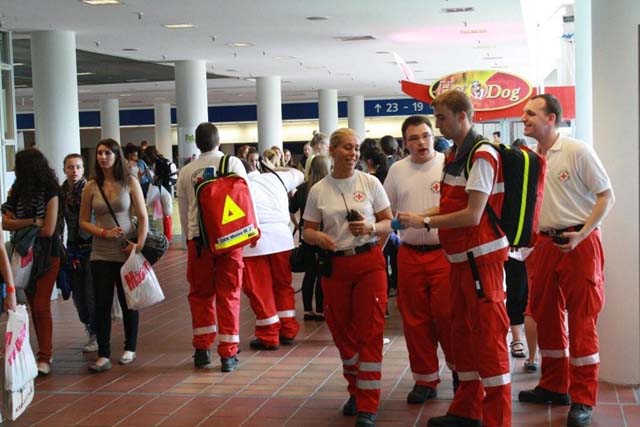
(413, 184)
(567, 264)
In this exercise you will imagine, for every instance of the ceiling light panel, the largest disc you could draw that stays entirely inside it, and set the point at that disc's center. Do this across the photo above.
(240, 44)
(354, 38)
(457, 9)
(101, 2)
(178, 26)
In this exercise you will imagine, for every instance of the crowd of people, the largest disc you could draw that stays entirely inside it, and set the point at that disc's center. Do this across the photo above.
(374, 219)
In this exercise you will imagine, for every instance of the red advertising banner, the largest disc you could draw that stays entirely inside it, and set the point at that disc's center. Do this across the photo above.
(566, 95)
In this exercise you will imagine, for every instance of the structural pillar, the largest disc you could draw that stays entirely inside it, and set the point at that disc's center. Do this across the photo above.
(110, 118)
(162, 114)
(611, 55)
(55, 95)
(269, 112)
(328, 110)
(191, 104)
(355, 107)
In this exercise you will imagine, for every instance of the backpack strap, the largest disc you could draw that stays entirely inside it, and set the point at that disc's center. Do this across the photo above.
(223, 168)
(495, 221)
(264, 165)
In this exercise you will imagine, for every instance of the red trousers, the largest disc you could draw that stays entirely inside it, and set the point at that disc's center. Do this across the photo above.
(355, 299)
(267, 283)
(478, 339)
(574, 282)
(423, 301)
(214, 291)
(40, 303)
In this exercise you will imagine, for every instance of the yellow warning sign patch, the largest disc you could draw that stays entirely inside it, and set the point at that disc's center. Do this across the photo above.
(231, 211)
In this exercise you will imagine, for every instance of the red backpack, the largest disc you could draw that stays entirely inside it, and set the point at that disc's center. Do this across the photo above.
(226, 214)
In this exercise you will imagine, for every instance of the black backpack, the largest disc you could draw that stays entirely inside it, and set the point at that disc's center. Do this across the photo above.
(523, 172)
(163, 170)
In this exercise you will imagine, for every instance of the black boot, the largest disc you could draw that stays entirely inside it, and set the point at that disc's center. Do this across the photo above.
(349, 409)
(201, 358)
(366, 419)
(579, 415)
(451, 420)
(542, 395)
(420, 394)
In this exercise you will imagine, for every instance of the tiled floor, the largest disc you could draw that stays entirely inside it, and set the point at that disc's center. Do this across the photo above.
(299, 385)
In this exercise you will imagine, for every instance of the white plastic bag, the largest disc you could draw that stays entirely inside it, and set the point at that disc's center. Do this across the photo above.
(21, 268)
(167, 202)
(141, 286)
(152, 195)
(16, 402)
(19, 364)
(116, 310)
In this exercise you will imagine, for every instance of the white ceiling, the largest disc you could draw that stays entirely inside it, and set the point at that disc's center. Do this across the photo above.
(494, 35)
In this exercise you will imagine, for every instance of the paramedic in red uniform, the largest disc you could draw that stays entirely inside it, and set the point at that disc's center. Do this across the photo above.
(215, 280)
(413, 184)
(267, 275)
(477, 253)
(355, 284)
(567, 278)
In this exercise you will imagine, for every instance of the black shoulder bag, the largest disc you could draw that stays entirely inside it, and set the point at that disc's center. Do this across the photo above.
(156, 243)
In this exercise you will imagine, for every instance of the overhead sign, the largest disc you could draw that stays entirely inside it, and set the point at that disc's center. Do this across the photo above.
(488, 89)
(395, 107)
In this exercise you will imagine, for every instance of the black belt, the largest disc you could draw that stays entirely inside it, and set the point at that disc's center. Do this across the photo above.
(553, 233)
(354, 251)
(423, 248)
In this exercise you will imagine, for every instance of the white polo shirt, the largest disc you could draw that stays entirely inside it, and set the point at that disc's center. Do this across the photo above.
(272, 208)
(415, 187)
(575, 175)
(190, 175)
(326, 205)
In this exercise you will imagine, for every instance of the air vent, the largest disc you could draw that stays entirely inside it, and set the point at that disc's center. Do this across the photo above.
(354, 38)
(457, 9)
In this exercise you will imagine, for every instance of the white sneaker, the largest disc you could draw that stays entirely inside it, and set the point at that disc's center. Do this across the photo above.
(127, 357)
(44, 368)
(91, 345)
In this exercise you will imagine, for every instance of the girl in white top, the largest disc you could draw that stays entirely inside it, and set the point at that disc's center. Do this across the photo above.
(353, 268)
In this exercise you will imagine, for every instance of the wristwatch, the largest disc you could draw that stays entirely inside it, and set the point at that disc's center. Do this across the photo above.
(426, 222)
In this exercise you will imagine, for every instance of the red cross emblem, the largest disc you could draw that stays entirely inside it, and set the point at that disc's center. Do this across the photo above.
(359, 196)
(563, 175)
(435, 187)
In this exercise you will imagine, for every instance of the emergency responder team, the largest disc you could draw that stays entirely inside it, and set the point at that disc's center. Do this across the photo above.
(433, 206)
(447, 246)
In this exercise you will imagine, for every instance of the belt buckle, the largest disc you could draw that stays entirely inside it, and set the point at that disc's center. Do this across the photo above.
(350, 252)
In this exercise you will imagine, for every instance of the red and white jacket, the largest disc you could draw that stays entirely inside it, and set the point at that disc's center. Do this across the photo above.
(487, 243)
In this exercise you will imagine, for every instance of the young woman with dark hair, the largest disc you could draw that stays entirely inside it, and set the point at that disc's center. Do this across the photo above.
(33, 201)
(112, 186)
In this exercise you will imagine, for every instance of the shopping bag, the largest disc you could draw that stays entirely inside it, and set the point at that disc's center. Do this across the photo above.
(116, 310)
(21, 268)
(152, 195)
(19, 363)
(16, 402)
(158, 212)
(141, 286)
(167, 201)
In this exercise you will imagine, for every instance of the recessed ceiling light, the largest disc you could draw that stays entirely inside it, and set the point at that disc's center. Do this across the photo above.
(178, 26)
(354, 38)
(476, 31)
(382, 52)
(457, 9)
(101, 2)
(130, 49)
(240, 44)
(85, 73)
(493, 58)
(282, 58)
(317, 18)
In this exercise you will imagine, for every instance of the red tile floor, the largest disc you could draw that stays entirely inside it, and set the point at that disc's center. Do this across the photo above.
(299, 385)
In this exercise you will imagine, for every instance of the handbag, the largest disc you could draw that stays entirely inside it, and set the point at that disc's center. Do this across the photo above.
(155, 245)
(296, 259)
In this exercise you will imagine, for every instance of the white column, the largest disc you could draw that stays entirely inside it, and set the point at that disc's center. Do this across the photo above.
(355, 107)
(584, 78)
(614, 57)
(110, 118)
(55, 95)
(269, 112)
(162, 114)
(191, 104)
(328, 110)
